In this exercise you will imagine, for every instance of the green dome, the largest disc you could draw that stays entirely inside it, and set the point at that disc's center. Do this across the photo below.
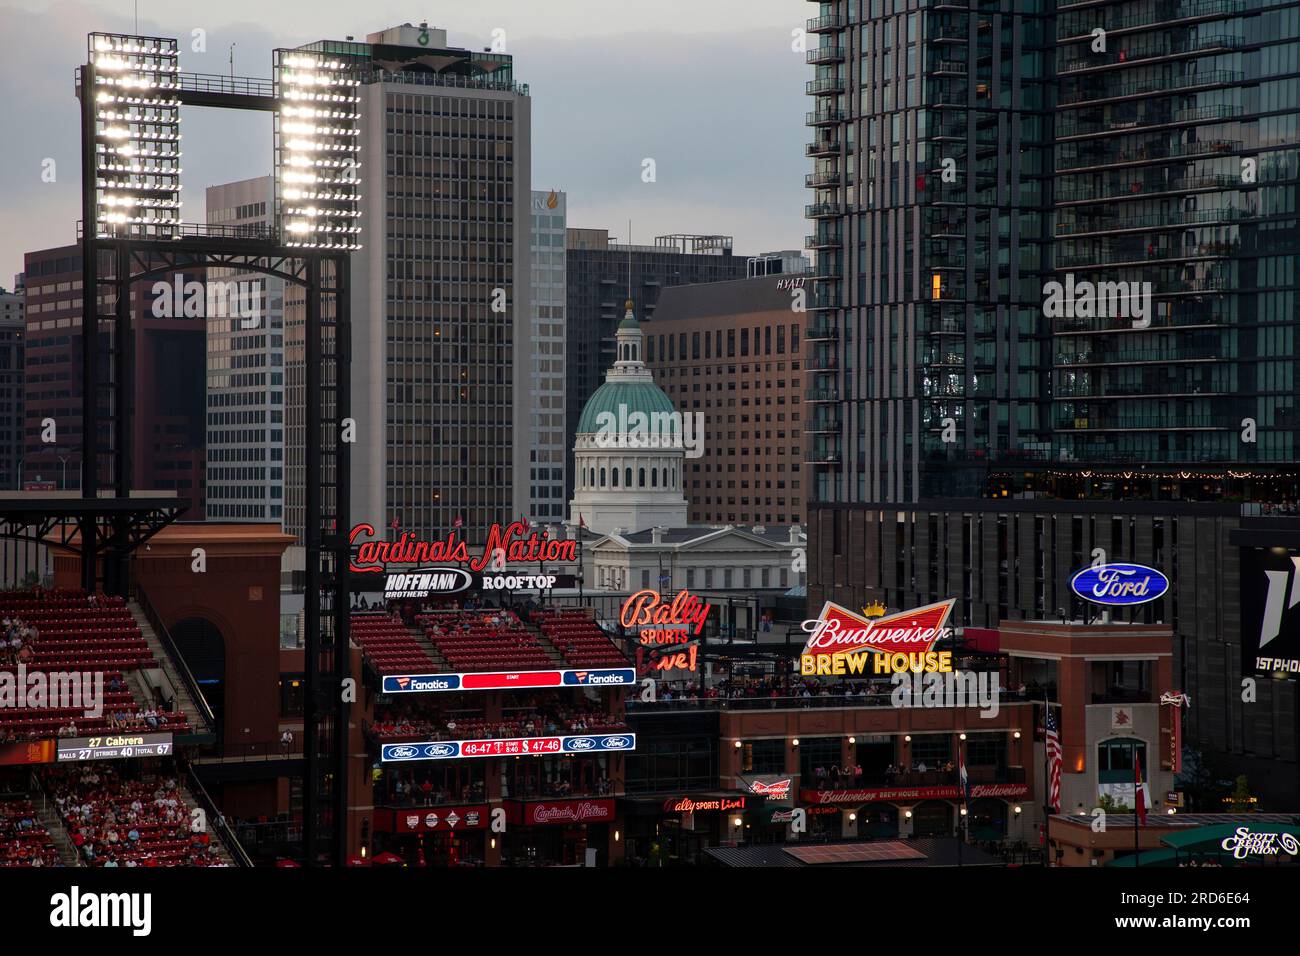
(612, 397)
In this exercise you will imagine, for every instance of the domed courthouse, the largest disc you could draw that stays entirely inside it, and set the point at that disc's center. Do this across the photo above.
(629, 464)
(628, 454)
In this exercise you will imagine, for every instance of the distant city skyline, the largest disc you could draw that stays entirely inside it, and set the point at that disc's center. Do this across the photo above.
(719, 110)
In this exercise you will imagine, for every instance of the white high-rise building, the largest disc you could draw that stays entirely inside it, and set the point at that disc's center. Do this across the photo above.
(245, 367)
(549, 451)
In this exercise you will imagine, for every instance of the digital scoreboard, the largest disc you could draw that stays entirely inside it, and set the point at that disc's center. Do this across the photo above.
(113, 747)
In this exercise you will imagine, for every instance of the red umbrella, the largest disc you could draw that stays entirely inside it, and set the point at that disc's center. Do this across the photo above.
(358, 861)
(286, 863)
(388, 859)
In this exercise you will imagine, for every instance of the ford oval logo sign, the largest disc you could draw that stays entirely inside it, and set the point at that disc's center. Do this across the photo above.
(439, 750)
(402, 752)
(581, 743)
(615, 743)
(1119, 584)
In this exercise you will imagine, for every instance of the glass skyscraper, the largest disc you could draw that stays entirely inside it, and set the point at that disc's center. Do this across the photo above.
(1055, 316)
(931, 151)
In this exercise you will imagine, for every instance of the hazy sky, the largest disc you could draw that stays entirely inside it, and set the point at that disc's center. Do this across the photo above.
(710, 89)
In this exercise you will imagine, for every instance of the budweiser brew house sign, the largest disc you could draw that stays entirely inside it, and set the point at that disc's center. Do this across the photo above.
(839, 641)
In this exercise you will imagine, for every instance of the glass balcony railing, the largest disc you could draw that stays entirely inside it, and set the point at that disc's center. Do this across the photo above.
(1079, 25)
(1105, 223)
(1106, 153)
(823, 177)
(1137, 356)
(827, 239)
(825, 84)
(1081, 94)
(826, 24)
(1102, 422)
(1149, 50)
(822, 332)
(829, 422)
(1195, 114)
(830, 53)
(824, 117)
(1140, 185)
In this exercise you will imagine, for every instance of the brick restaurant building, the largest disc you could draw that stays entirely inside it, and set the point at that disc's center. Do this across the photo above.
(730, 351)
(1104, 681)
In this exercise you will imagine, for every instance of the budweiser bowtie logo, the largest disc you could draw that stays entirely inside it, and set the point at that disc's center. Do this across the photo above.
(777, 790)
(839, 631)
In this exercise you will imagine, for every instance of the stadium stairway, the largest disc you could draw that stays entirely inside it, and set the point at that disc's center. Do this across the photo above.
(191, 801)
(545, 644)
(184, 702)
(426, 645)
(53, 824)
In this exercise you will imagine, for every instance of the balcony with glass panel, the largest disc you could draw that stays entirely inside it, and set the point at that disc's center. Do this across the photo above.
(826, 237)
(829, 23)
(1116, 87)
(1078, 25)
(824, 146)
(823, 450)
(829, 53)
(822, 331)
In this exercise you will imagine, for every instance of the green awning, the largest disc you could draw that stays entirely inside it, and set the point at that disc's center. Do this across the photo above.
(1217, 834)
(1149, 858)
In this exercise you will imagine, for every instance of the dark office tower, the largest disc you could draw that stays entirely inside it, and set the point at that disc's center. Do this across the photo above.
(599, 273)
(167, 414)
(931, 148)
(12, 335)
(1176, 156)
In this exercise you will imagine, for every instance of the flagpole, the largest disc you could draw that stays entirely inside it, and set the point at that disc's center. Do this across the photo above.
(1137, 787)
(580, 574)
(961, 791)
(1047, 786)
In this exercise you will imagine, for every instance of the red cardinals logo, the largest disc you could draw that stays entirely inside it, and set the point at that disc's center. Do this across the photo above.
(839, 631)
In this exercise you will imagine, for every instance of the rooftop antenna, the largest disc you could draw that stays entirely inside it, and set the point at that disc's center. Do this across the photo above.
(629, 260)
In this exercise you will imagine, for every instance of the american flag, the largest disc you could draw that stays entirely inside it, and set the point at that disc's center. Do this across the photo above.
(962, 777)
(1053, 742)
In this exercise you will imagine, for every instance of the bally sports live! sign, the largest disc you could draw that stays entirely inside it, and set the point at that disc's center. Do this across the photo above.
(668, 632)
